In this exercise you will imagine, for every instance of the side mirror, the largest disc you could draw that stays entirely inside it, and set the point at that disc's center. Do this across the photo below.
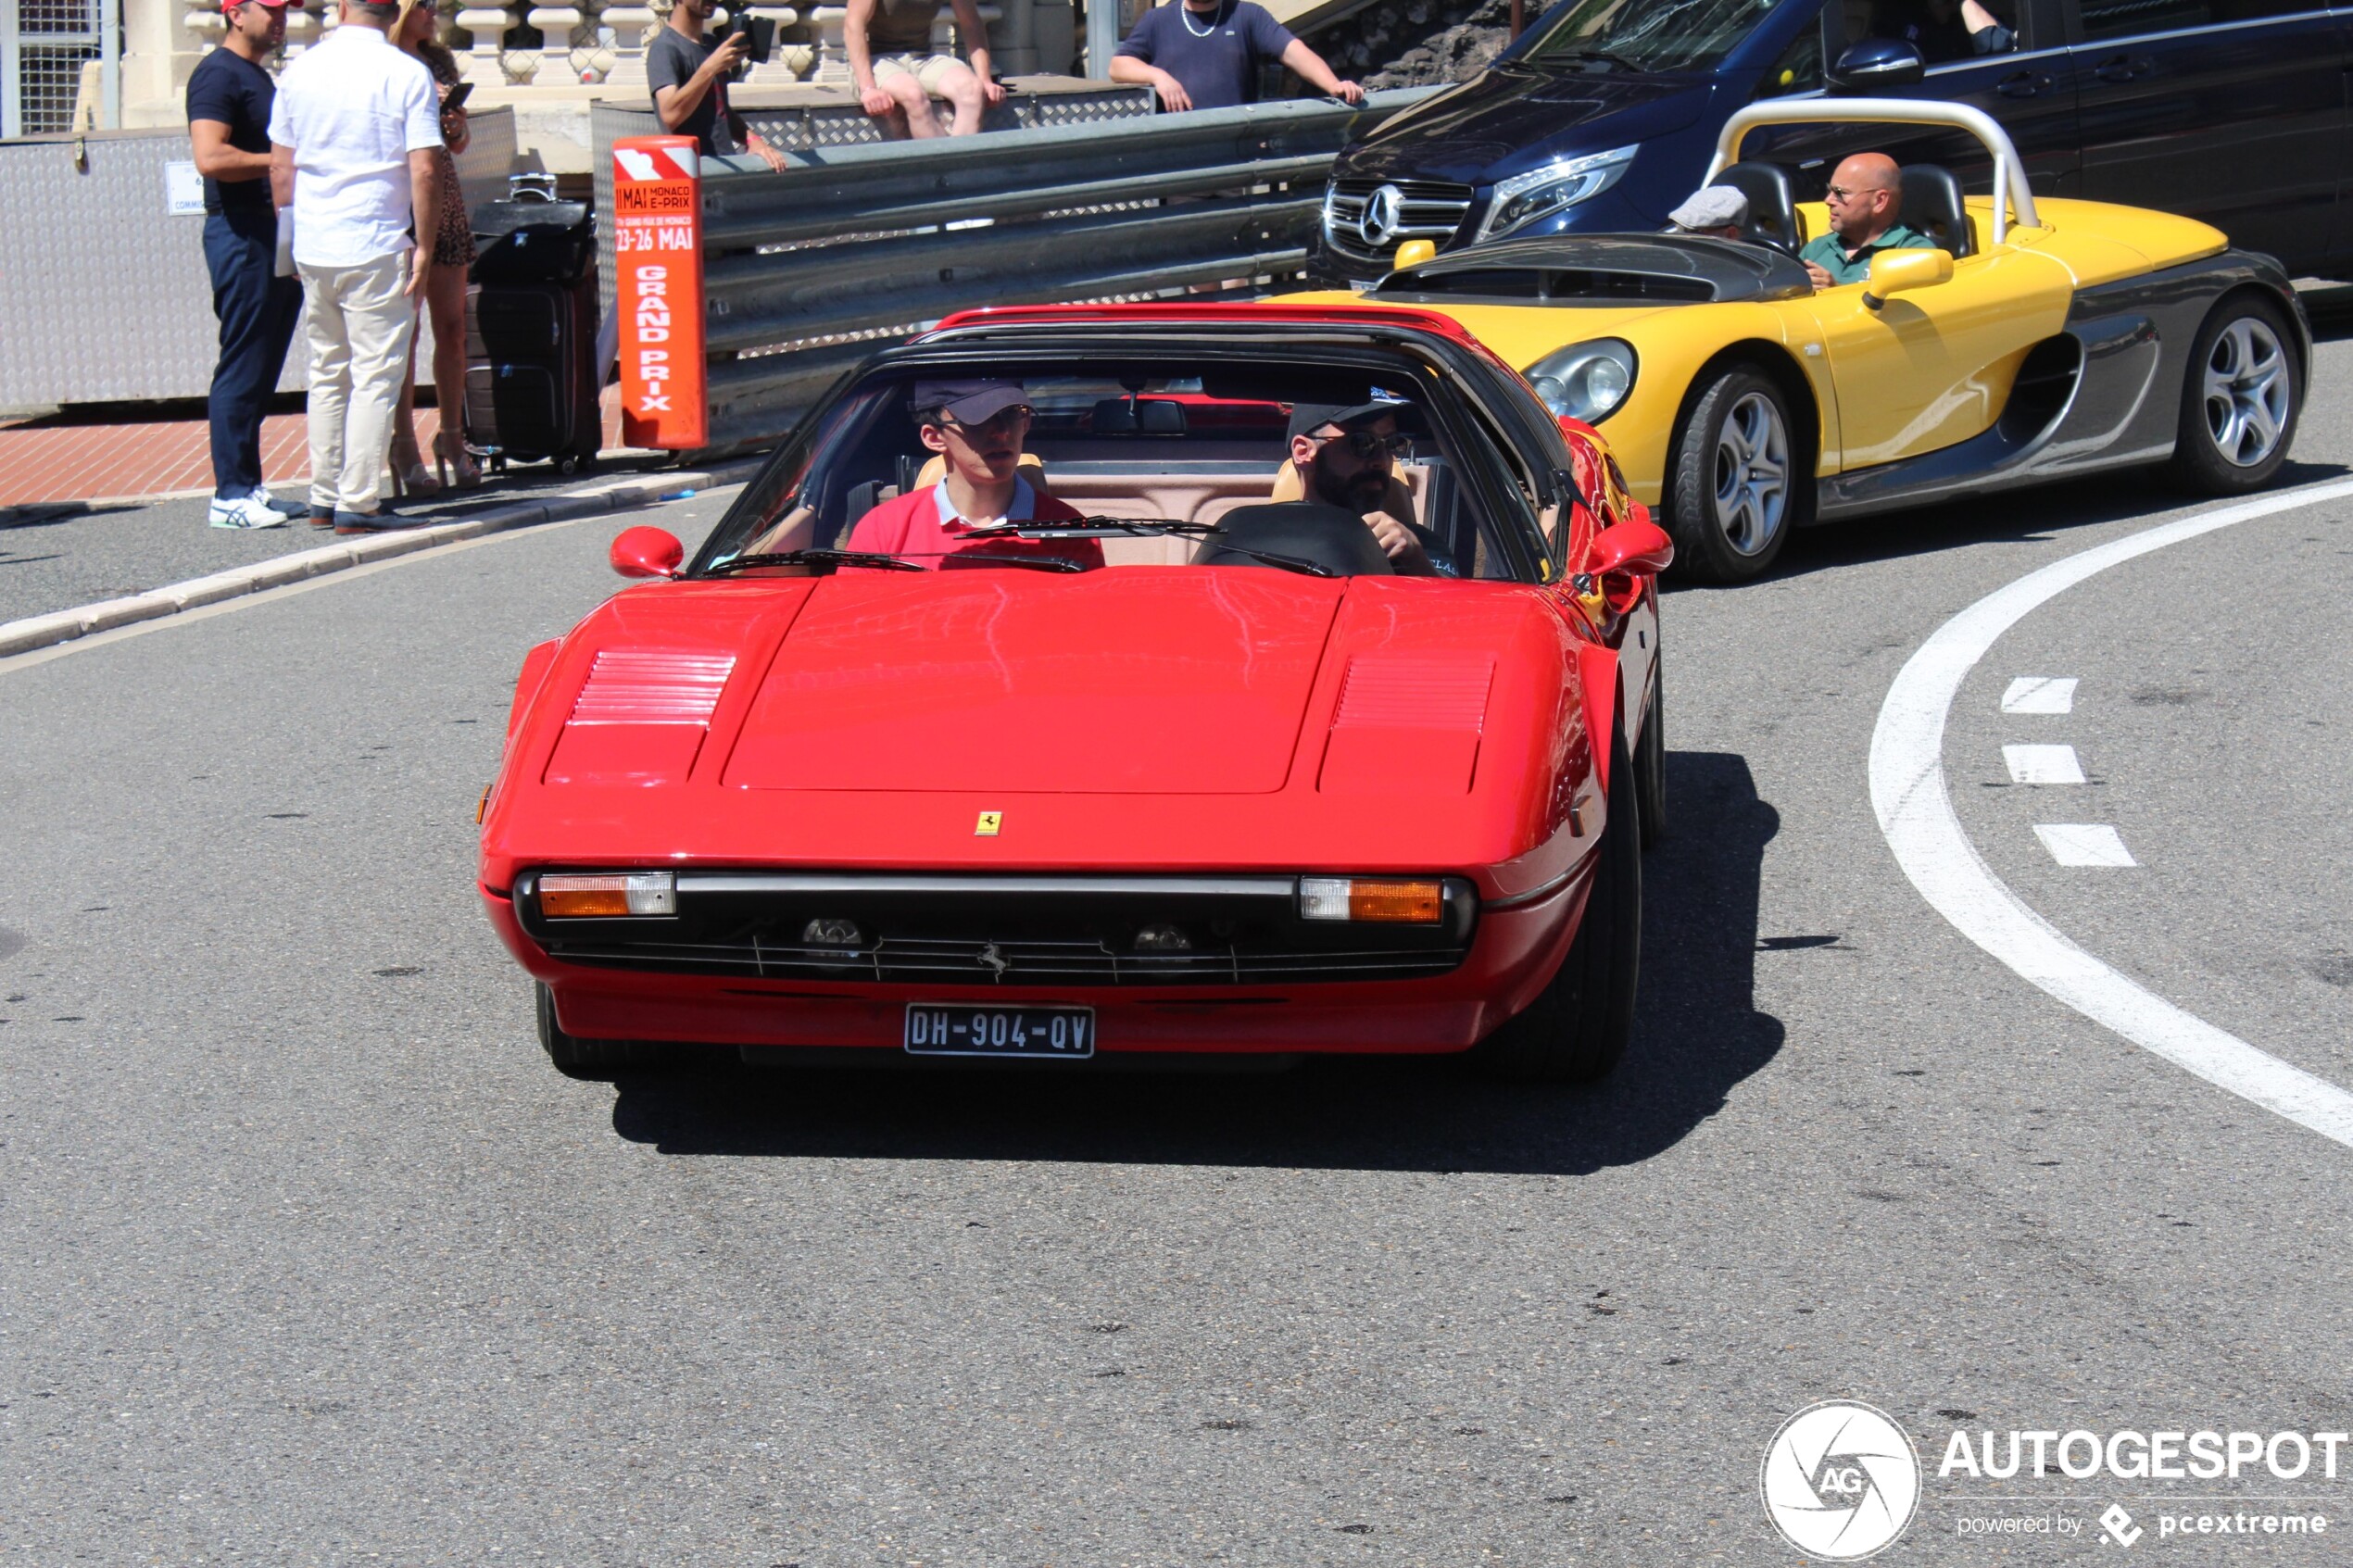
(1876, 65)
(1412, 253)
(1633, 548)
(646, 552)
(1895, 271)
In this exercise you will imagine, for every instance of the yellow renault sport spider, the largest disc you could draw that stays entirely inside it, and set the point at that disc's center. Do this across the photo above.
(2037, 342)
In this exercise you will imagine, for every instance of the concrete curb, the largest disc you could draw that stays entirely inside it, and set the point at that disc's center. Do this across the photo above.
(65, 625)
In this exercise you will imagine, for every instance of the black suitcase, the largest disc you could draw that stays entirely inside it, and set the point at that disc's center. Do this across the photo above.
(531, 372)
(530, 237)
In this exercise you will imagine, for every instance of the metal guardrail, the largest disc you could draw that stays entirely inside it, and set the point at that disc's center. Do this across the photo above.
(806, 272)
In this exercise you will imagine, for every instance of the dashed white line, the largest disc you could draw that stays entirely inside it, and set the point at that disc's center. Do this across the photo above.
(2084, 844)
(2043, 764)
(2040, 694)
(1916, 813)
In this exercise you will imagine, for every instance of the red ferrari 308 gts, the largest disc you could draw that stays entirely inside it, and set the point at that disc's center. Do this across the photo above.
(1238, 679)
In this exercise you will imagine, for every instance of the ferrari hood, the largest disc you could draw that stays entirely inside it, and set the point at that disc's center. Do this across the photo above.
(1110, 683)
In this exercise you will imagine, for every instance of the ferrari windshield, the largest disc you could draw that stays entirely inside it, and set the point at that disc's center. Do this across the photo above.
(1648, 35)
(1067, 465)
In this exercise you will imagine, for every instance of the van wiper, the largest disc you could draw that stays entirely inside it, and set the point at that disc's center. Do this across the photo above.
(813, 557)
(1605, 57)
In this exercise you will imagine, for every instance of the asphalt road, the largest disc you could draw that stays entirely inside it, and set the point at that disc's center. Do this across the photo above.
(313, 1259)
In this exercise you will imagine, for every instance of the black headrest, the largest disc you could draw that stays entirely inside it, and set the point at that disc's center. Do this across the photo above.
(1139, 416)
(1330, 536)
(1932, 205)
(1772, 204)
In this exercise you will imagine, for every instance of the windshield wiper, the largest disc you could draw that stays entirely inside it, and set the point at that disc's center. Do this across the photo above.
(1605, 57)
(1043, 563)
(813, 557)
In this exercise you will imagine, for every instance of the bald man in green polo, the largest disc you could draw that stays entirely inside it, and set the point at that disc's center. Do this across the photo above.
(1866, 206)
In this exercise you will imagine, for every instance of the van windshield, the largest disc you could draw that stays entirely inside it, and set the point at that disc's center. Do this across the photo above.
(1647, 35)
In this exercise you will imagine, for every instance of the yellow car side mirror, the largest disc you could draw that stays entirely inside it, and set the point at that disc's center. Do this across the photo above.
(1895, 271)
(1412, 253)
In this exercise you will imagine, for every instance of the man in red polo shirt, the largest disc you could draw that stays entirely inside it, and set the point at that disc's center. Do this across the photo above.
(977, 427)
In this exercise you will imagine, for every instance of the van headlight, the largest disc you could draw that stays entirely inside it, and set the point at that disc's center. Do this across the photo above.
(1557, 187)
(1585, 381)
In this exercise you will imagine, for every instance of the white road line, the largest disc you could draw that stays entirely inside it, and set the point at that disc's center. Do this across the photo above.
(2040, 694)
(2084, 844)
(1916, 813)
(2043, 764)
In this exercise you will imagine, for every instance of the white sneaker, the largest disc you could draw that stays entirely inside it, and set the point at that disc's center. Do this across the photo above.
(244, 512)
(283, 508)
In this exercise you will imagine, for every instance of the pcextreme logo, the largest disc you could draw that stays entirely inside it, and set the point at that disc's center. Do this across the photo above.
(1841, 1481)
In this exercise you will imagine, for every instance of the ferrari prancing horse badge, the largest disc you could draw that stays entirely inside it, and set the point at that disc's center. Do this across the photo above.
(987, 826)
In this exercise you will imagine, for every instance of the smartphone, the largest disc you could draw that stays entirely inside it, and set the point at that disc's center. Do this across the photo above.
(759, 34)
(457, 96)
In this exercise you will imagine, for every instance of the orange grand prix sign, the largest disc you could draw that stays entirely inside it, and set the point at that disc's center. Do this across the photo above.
(657, 243)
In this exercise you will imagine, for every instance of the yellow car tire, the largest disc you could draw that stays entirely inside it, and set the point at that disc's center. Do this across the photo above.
(1738, 481)
(2240, 399)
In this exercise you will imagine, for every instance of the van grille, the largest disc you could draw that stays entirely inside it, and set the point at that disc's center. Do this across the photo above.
(1421, 209)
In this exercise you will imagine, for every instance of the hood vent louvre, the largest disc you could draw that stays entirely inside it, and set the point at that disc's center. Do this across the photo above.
(649, 686)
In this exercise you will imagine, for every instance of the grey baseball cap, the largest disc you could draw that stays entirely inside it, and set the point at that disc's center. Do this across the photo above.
(1712, 207)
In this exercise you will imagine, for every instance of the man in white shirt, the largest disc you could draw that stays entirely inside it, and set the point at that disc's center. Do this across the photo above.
(352, 135)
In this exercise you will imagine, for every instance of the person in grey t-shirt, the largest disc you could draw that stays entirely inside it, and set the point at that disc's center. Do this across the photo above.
(688, 79)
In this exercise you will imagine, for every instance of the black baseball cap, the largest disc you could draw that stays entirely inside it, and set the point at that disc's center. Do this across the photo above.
(971, 401)
(1306, 419)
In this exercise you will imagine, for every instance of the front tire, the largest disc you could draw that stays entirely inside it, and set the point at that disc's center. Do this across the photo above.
(590, 1060)
(2240, 401)
(1576, 1029)
(1737, 485)
(1650, 761)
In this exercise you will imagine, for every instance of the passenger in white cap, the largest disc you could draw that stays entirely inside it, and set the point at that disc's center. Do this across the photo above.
(1717, 211)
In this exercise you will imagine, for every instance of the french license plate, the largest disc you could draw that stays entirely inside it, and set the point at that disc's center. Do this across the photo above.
(964, 1030)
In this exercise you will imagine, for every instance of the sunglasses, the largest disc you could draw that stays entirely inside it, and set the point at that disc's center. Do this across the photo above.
(1369, 448)
(1847, 194)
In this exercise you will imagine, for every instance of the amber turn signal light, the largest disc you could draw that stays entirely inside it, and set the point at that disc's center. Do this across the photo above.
(1361, 899)
(607, 896)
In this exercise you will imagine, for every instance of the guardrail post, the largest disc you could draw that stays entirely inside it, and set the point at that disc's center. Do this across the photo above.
(657, 243)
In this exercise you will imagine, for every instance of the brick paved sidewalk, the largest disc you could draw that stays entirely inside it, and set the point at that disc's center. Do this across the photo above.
(61, 460)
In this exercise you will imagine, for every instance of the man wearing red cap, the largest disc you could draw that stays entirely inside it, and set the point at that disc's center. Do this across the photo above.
(229, 100)
(977, 425)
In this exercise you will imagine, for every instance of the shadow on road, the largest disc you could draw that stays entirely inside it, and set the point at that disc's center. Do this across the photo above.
(2043, 512)
(1697, 1035)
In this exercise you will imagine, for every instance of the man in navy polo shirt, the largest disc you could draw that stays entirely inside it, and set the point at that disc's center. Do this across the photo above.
(229, 100)
(1204, 55)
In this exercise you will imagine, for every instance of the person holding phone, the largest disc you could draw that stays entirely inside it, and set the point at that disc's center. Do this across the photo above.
(688, 79)
(453, 252)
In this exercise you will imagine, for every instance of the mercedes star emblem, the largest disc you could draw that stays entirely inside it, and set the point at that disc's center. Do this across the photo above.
(1384, 212)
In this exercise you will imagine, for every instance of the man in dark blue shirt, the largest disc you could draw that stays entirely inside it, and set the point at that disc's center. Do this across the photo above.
(229, 100)
(1204, 55)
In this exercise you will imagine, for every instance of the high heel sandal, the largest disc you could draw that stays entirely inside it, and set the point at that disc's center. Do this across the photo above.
(409, 475)
(449, 455)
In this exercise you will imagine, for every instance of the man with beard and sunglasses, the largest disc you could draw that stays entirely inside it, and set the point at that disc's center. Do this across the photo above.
(976, 426)
(1346, 457)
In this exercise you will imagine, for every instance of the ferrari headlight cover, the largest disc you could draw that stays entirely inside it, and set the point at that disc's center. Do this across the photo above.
(1585, 381)
(608, 894)
(1557, 187)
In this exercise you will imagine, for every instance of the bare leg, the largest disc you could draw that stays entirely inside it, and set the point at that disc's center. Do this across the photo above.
(961, 88)
(913, 103)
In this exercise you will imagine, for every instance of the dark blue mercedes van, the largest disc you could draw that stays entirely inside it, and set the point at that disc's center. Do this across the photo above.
(1601, 115)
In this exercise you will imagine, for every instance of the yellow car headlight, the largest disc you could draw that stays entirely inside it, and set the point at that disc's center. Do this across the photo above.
(1585, 381)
